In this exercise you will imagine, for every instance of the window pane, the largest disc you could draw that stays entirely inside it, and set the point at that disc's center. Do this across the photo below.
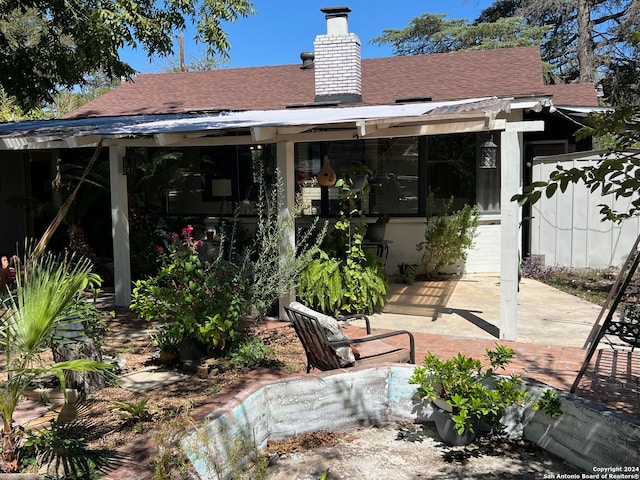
(451, 168)
(388, 168)
(216, 180)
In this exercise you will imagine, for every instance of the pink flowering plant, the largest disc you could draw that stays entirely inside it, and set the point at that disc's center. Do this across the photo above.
(196, 300)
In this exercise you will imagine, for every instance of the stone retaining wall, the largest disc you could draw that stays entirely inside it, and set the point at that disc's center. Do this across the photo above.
(586, 435)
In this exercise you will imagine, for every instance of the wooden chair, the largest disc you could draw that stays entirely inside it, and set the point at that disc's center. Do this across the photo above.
(322, 347)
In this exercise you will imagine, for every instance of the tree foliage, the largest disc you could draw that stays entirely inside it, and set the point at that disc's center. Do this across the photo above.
(583, 40)
(49, 45)
(431, 33)
(589, 36)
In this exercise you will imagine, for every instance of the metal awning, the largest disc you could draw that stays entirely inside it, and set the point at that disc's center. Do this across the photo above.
(476, 114)
(587, 156)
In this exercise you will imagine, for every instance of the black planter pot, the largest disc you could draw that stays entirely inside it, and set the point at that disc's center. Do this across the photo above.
(447, 429)
(375, 233)
(192, 350)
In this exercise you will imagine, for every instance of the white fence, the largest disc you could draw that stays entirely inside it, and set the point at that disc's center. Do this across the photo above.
(567, 229)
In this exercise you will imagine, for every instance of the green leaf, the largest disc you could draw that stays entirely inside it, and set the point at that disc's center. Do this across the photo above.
(551, 190)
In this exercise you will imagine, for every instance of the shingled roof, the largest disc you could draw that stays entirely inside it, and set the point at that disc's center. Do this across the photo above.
(506, 72)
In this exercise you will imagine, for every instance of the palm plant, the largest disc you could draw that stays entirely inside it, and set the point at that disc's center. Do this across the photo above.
(44, 291)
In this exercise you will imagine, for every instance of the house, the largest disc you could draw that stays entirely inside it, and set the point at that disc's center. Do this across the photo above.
(419, 120)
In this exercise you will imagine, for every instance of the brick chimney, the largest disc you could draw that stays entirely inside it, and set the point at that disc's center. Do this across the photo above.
(338, 70)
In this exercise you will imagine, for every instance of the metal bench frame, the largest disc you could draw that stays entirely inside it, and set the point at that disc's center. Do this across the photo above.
(320, 351)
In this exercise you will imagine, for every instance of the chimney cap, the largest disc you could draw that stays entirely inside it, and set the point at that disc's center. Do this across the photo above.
(335, 10)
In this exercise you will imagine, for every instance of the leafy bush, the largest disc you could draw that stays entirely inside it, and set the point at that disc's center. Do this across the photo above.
(341, 277)
(60, 451)
(251, 353)
(447, 236)
(207, 299)
(204, 303)
(343, 286)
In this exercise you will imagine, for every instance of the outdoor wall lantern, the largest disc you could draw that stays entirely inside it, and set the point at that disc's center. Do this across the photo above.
(488, 154)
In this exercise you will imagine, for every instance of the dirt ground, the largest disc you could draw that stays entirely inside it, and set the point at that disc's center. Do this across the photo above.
(109, 431)
(411, 452)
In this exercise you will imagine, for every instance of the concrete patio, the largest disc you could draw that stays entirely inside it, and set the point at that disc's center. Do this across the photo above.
(469, 306)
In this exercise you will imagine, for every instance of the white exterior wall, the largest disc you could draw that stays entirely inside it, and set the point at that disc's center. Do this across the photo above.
(405, 234)
(567, 230)
(485, 255)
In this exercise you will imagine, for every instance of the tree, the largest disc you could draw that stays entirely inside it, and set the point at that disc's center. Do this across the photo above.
(595, 33)
(583, 40)
(50, 45)
(67, 100)
(431, 33)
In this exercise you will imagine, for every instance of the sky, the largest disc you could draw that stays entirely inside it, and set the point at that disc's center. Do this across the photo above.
(282, 29)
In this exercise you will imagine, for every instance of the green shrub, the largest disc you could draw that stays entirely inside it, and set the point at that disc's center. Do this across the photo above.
(447, 236)
(341, 277)
(207, 299)
(251, 353)
(338, 287)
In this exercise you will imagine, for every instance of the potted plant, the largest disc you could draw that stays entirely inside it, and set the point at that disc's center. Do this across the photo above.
(466, 394)
(166, 343)
(377, 230)
(448, 237)
(407, 272)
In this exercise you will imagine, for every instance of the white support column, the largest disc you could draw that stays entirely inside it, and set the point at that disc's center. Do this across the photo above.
(285, 163)
(120, 228)
(512, 148)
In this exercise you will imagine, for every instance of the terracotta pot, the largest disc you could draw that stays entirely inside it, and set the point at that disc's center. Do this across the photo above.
(168, 357)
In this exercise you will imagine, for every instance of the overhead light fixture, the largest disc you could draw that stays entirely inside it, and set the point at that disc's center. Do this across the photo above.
(489, 154)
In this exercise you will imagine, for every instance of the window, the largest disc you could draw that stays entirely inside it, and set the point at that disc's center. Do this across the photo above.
(214, 180)
(387, 168)
(399, 172)
(451, 168)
